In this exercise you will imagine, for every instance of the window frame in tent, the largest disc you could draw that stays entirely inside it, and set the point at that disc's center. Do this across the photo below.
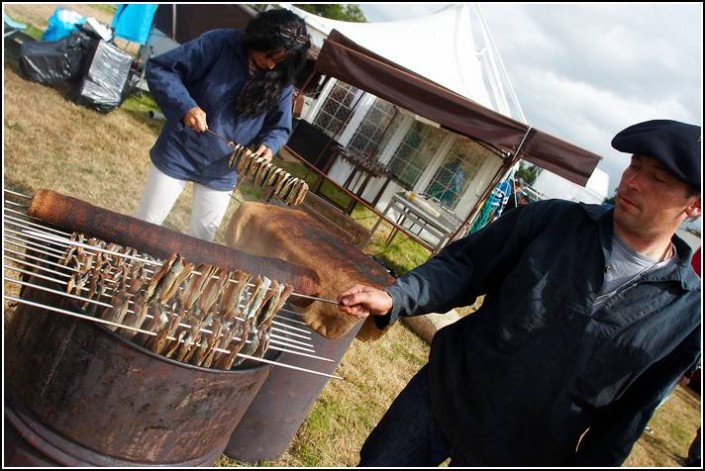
(409, 160)
(371, 132)
(471, 161)
(336, 110)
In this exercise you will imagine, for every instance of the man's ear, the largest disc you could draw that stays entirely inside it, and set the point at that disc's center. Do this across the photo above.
(694, 209)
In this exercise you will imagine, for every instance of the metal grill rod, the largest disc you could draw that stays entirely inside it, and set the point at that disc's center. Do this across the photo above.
(79, 244)
(58, 254)
(32, 257)
(21, 195)
(290, 319)
(13, 203)
(26, 263)
(275, 337)
(39, 247)
(287, 329)
(204, 330)
(102, 321)
(27, 221)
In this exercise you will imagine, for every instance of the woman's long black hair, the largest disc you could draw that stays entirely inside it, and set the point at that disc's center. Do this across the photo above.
(270, 31)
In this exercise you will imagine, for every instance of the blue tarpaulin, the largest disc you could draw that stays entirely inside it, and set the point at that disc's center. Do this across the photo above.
(133, 21)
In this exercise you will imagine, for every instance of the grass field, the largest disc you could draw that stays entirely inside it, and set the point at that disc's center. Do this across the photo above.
(50, 142)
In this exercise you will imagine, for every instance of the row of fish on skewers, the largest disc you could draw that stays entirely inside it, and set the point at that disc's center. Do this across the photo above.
(203, 315)
(285, 187)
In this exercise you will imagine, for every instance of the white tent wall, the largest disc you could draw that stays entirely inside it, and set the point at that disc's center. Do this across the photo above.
(551, 186)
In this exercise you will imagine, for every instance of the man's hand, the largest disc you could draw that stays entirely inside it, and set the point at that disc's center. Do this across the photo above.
(266, 152)
(361, 301)
(195, 118)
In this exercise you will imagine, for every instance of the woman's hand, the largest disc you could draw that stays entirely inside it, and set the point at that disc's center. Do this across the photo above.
(361, 301)
(195, 118)
(266, 152)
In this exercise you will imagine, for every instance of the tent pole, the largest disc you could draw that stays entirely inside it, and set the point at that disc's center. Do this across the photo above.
(307, 82)
(173, 22)
(509, 162)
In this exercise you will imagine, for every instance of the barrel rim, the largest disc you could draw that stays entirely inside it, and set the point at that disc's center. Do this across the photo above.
(115, 336)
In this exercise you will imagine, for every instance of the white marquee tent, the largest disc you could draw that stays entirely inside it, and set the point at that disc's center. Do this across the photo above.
(452, 48)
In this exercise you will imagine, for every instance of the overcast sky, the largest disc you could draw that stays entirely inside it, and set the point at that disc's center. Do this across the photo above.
(583, 72)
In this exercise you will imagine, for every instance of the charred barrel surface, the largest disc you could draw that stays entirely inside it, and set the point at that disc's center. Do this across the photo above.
(81, 395)
(76, 215)
(283, 403)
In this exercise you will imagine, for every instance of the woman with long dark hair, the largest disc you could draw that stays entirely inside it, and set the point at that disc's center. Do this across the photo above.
(237, 84)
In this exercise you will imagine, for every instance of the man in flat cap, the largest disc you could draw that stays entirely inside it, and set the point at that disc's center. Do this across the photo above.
(589, 315)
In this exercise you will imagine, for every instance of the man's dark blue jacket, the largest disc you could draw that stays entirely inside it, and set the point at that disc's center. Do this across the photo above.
(520, 381)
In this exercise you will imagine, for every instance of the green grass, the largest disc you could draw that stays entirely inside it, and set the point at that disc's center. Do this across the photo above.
(138, 105)
(296, 169)
(403, 254)
(140, 102)
(107, 8)
(35, 32)
(251, 192)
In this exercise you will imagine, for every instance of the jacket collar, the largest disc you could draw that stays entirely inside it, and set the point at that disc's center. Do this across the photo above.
(684, 274)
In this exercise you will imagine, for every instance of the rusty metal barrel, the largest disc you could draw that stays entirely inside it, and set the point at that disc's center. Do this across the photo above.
(77, 394)
(283, 402)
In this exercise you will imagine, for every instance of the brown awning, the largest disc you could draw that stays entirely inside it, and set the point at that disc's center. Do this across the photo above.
(342, 58)
(186, 22)
(560, 157)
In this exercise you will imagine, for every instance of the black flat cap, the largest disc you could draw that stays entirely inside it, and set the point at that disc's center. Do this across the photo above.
(675, 145)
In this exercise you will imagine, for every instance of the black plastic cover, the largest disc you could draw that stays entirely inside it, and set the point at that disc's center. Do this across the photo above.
(55, 61)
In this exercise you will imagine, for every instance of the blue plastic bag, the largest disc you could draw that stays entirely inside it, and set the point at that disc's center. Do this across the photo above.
(61, 24)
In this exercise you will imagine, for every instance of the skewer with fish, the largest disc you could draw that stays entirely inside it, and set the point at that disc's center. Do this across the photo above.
(285, 187)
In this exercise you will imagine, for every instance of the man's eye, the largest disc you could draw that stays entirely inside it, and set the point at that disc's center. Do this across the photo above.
(659, 178)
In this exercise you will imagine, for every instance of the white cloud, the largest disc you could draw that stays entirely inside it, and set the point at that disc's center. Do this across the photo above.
(583, 72)
(377, 12)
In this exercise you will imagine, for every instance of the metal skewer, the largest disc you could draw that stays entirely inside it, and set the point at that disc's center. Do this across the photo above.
(52, 237)
(289, 331)
(286, 328)
(230, 143)
(22, 222)
(183, 325)
(56, 253)
(51, 246)
(147, 332)
(21, 195)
